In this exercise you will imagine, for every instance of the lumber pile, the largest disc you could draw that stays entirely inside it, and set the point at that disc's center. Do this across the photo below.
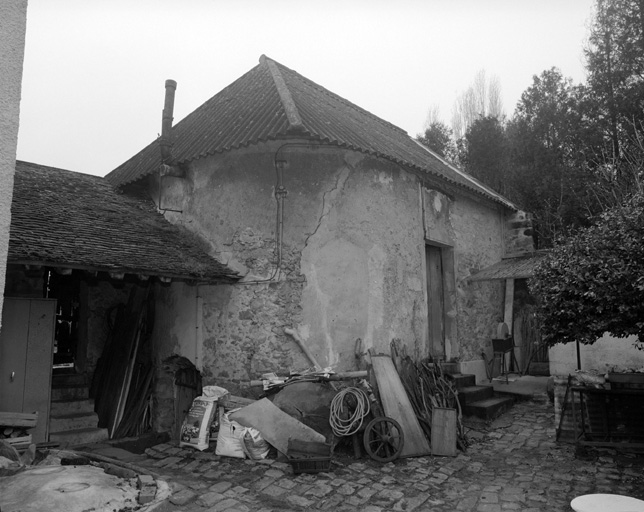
(123, 380)
(429, 389)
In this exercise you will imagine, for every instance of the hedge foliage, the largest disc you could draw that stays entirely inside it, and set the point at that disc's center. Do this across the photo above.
(593, 282)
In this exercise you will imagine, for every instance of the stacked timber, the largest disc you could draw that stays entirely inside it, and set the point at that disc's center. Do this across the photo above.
(123, 380)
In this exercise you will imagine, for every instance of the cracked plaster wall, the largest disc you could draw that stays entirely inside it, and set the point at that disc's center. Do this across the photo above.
(13, 20)
(479, 237)
(352, 259)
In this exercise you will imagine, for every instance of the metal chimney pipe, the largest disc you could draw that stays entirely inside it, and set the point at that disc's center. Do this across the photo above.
(166, 123)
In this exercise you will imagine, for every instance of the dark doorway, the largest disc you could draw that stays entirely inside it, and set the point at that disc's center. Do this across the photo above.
(66, 290)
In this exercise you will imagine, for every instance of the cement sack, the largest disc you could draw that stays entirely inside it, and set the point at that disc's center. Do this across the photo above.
(254, 445)
(229, 438)
(195, 431)
(214, 392)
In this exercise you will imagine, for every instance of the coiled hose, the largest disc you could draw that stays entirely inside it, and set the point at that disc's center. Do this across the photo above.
(344, 422)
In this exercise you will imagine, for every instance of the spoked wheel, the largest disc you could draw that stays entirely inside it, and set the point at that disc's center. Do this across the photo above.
(383, 439)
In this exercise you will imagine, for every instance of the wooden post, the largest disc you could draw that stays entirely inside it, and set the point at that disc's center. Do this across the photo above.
(508, 317)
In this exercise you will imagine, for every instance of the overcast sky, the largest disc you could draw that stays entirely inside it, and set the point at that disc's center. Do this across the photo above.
(94, 70)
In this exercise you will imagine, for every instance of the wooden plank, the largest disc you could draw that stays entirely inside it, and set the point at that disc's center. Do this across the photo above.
(127, 379)
(435, 301)
(13, 441)
(18, 419)
(444, 431)
(360, 374)
(116, 358)
(397, 406)
(275, 425)
(183, 398)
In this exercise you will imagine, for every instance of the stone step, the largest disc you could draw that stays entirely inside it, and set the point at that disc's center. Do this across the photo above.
(450, 368)
(61, 407)
(79, 436)
(489, 408)
(470, 394)
(68, 393)
(74, 421)
(69, 380)
(462, 380)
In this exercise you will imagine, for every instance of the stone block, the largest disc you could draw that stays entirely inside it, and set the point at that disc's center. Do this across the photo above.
(183, 497)
(220, 487)
(147, 494)
(144, 480)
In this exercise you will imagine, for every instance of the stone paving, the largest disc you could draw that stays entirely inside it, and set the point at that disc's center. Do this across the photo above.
(513, 463)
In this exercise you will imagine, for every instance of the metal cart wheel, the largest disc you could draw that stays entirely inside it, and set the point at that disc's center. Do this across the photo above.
(383, 439)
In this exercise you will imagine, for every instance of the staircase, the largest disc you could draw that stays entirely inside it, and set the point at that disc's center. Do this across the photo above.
(480, 401)
(72, 420)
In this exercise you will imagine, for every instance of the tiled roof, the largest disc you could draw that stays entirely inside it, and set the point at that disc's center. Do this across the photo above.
(73, 220)
(273, 102)
(520, 267)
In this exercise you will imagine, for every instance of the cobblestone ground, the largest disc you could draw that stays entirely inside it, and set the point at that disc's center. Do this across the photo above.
(512, 464)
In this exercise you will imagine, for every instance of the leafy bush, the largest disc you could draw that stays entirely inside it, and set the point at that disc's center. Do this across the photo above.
(593, 282)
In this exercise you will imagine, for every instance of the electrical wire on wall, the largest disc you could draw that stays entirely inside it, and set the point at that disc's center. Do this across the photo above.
(281, 192)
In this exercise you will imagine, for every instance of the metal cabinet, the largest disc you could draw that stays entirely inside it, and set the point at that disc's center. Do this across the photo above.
(26, 358)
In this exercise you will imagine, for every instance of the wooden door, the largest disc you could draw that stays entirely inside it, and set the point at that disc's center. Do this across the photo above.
(13, 354)
(187, 387)
(26, 358)
(435, 302)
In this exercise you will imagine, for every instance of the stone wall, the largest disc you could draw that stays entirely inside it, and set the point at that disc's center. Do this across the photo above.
(102, 299)
(603, 355)
(479, 241)
(519, 234)
(345, 261)
(24, 282)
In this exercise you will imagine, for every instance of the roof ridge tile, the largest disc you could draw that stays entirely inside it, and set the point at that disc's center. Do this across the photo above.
(292, 114)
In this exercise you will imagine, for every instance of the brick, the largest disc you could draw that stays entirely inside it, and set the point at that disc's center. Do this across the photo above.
(408, 504)
(366, 492)
(390, 494)
(191, 466)
(274, 490)
(143, 480)
(346, 489)
(299, 501)
(147, 494)
(161, 463)
(227, 504)
(220, 487)
(183, 497)
(319, 490)
(274, 473)
(286, 484)
(210, 498)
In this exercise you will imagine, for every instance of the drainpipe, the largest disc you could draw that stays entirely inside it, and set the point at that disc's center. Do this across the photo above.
(169, 165)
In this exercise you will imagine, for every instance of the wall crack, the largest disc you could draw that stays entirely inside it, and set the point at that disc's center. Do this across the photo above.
(326, 206)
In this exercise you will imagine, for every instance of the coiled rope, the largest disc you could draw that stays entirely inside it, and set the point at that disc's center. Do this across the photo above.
(344, 422)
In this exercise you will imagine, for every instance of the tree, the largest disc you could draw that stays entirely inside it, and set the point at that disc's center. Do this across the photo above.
(593, 283)
(484, 153)
(481, 99)
(438, 138)
(549, 174)
(615, 64)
